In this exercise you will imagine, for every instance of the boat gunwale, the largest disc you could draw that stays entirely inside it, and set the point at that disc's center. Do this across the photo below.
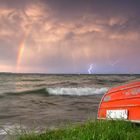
(134, 97)
(122, 89)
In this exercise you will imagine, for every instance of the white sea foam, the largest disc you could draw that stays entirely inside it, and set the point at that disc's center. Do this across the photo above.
(77, 91)
(11, 129)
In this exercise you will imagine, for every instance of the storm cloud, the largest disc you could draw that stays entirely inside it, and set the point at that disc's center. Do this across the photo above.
(63, 36)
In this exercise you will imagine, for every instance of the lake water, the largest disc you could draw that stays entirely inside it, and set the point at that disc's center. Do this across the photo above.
(48, 101)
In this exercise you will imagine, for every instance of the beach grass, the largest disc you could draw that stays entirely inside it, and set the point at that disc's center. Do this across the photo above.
(91, 130)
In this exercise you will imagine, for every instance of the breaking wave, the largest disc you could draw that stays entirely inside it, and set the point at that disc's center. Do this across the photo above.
(76, 91)
(60, 91)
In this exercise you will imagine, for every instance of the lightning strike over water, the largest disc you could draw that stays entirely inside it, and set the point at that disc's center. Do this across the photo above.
(90, 70)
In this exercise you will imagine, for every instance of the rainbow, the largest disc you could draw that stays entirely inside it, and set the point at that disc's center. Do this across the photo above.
(21, 49)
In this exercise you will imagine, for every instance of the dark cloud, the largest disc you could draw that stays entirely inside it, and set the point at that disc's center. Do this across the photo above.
(68, 35)
(18, 4)
(103, 8)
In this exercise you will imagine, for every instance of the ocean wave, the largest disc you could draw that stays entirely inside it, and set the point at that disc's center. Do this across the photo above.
(81, 91)
(59, 91)
(34, 91)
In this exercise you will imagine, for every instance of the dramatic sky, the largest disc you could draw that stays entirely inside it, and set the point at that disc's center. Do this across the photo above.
(67, 36)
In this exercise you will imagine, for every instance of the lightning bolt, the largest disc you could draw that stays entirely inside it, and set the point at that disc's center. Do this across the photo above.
(90, 70)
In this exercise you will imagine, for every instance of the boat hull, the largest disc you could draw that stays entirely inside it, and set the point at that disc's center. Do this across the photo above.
(122, 102)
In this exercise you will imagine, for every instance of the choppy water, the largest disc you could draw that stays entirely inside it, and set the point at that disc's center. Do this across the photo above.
(69, 84)
(41, 101)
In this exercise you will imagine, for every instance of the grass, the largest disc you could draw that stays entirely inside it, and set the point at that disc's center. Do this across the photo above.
(92, 130)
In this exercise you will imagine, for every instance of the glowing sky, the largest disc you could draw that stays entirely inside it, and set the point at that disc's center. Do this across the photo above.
(67, 36)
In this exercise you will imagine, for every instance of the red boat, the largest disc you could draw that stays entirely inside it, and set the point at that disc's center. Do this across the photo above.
(122, 102)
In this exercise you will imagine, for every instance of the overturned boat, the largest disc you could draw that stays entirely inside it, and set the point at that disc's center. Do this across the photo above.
(122, 102)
